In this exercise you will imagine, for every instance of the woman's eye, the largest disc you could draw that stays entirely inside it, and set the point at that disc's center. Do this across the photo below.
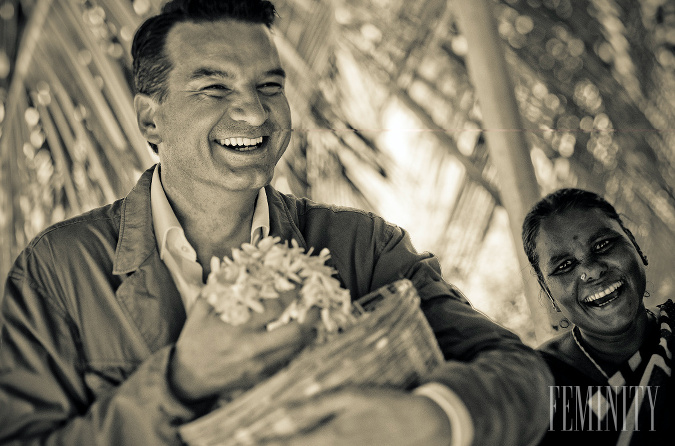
(602, 245)
(563, 267)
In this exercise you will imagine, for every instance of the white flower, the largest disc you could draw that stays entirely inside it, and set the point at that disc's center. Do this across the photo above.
(257, 272)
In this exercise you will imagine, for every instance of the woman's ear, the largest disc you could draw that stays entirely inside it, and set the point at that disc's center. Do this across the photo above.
(546, 291)
(146, 107)
(635, 244)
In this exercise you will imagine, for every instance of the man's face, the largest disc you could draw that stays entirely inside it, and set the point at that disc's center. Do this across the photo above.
(225, 121)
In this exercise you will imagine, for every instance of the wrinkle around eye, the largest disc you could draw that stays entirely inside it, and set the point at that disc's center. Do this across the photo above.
(271, 90)
(212, 94)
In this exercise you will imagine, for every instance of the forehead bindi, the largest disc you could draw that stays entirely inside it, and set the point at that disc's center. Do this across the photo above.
(572, 231)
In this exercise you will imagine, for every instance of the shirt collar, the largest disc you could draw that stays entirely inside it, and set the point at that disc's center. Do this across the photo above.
(260, 224)
(164, 219)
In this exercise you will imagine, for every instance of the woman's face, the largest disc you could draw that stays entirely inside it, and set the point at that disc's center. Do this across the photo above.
(592, 269)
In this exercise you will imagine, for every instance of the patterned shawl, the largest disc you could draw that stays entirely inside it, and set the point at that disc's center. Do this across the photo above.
(635, 406)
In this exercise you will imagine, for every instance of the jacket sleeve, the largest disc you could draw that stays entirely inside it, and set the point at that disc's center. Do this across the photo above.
(44, 396)
(502, 382)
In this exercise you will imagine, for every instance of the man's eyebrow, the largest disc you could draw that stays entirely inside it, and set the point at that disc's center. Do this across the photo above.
(276, 72)
(204, 72)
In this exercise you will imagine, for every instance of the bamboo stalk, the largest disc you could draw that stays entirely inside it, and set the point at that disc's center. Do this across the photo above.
(508, 147)
(63, 47)
(31, 34)
(119, 96)
(87, 192)
(124, 16)
(8, 179)
(61, 163)
(80, 133)
(101, 111)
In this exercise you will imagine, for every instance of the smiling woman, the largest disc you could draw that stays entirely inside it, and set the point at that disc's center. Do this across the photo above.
(613, 369)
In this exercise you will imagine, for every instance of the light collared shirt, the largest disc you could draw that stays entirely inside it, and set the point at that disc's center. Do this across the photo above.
(176, 251)
(181, 260)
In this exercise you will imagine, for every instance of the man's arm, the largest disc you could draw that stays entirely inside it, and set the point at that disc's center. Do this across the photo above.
(51, 394)
(44, 396)
(502, 382)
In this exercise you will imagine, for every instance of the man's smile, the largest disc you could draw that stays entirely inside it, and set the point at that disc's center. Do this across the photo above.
(241, 144)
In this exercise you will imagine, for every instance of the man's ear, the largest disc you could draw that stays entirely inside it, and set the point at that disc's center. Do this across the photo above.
(146, 107)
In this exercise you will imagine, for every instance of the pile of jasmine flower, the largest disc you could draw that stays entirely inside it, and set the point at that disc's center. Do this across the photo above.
(236, 287)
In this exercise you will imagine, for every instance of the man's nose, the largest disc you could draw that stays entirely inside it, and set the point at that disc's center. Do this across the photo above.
(247, 107)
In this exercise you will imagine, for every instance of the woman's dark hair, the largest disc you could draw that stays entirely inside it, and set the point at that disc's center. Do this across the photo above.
(151, 65)
(556, 203)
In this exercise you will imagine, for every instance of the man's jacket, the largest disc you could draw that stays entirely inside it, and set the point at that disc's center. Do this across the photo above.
(90, 315)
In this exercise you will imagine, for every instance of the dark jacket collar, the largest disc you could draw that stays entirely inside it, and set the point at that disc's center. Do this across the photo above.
(136, 240)
(284, 217)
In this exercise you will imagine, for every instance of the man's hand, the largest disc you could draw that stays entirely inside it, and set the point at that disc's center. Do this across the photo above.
(212, 357)
(371, 416)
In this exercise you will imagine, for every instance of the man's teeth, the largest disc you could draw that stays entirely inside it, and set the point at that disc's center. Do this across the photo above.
(240, 142)
(603, 293)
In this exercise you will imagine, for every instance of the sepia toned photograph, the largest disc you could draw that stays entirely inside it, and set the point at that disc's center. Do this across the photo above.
(337, 222)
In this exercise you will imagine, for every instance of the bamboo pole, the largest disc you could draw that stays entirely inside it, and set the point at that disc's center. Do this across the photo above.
(31, 35)
(503, 127)
(118, 94)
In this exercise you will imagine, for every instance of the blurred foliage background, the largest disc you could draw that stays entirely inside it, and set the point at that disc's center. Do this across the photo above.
(385, 119)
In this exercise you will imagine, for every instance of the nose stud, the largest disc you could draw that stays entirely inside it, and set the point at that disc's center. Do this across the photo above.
(583, 277)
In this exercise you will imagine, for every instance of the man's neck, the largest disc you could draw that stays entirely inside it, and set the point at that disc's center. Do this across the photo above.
(213, 227)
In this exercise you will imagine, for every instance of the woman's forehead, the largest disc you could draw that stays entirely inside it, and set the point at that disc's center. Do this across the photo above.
(559, 231)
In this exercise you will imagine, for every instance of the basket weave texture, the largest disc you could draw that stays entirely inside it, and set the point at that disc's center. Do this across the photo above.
(391, 345)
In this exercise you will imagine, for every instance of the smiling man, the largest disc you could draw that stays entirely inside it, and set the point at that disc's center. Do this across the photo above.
(104, 337)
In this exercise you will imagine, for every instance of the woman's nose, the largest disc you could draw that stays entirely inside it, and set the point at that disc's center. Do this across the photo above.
(592, 269)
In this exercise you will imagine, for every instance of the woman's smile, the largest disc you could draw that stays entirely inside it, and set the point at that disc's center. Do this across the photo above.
(605, 296)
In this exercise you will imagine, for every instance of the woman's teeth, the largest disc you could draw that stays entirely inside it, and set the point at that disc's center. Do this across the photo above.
(241, 143)
(599, 295)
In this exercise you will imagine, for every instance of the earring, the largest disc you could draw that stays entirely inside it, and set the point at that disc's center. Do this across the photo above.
(564, 323)
(646, 294)
(583, 277)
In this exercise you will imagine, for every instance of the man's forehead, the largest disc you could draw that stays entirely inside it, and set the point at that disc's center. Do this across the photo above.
(221, 47)
(226, 31)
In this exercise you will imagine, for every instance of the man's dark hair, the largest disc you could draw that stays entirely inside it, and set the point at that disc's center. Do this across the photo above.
(151, 64)
(556, 203)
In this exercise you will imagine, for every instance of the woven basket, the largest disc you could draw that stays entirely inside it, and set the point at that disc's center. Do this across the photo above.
(391, 345)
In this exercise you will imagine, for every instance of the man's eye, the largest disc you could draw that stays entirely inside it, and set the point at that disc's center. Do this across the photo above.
(215, 89)
(271, 88)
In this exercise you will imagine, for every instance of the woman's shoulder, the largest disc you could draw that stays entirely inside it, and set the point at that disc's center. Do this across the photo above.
(560, 345)
(563, 358)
